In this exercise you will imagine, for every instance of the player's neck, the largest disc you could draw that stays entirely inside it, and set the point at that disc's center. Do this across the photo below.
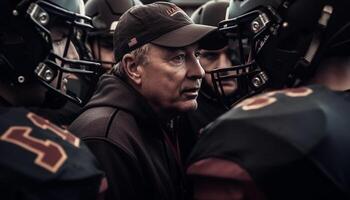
(334, 73)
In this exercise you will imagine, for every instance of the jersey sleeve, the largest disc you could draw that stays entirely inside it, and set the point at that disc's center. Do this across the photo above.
(36, 154)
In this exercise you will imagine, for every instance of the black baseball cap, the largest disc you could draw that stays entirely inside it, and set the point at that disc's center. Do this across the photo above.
(163, 24)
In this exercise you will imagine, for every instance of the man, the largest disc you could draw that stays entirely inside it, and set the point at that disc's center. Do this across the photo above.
(38, 159)
(105, 16)
(284, 144)
(128, 122)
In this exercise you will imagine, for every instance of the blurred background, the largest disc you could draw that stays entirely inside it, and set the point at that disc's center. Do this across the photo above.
(187, 5)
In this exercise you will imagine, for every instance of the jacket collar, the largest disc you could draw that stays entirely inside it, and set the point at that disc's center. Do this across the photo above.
(112, 91)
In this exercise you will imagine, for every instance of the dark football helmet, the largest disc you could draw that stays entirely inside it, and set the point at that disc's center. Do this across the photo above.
(105, 15)
(281, 42)
(211, 13)
(45, 40)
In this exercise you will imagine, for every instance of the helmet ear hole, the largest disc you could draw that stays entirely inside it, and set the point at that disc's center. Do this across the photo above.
(200, 12)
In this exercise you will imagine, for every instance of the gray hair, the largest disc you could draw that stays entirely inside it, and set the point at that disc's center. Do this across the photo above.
(141, 58)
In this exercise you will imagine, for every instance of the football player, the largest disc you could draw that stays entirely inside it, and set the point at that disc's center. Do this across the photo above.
(61, 71)
(105, 15)
(284, 144)
(40, 44)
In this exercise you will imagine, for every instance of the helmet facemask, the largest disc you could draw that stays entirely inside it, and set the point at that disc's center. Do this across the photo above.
(287, 39)
(68, 69)
(246, 34)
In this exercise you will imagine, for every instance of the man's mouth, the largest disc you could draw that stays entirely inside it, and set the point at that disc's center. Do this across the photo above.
(191, 93)
(228, 83)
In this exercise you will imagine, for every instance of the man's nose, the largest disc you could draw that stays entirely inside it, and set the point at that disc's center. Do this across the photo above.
(223, 61)
(66, 49)
(72, 52)
(195, 70)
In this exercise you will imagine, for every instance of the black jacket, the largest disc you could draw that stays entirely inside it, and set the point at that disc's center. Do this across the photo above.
(123, 132)
(208, 110)
(193, 122)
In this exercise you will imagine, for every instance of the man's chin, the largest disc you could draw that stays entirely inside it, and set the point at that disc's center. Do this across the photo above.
(187, 106)
(229, 89)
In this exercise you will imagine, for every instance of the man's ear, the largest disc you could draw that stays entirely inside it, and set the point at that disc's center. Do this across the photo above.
(132, 70)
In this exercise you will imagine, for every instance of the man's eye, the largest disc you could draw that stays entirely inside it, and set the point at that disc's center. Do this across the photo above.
(179, 59)
(59, 41)
(198, 54)
(58, 34)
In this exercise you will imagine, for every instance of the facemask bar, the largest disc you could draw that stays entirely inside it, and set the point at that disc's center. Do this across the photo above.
(55, 65)
(246, 77)
(58, 78)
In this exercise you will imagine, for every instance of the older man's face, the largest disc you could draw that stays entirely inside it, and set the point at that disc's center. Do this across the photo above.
(171, 78)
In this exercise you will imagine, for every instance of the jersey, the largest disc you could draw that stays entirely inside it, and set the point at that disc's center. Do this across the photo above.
(39, 160)
(294, 143)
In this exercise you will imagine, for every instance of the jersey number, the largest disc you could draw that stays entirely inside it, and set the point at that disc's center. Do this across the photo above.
(268, 98)
(50, 155)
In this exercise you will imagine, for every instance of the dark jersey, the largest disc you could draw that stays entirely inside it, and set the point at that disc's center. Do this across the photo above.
(38, 160)
(294, 143)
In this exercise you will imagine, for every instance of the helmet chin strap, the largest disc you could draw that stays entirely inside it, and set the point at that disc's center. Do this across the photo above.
(305, 61)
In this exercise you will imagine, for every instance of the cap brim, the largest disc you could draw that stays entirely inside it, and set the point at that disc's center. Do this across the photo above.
(188, 35)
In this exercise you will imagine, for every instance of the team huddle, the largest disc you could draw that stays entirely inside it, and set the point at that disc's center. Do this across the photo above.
(136, 99)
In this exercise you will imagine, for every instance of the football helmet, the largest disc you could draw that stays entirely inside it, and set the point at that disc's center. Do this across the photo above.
(105, 15)
(211, 13)
(281, 42)
(45, 40)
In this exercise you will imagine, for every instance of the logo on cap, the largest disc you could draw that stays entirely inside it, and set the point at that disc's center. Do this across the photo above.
(132, 42)
(173, 10)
